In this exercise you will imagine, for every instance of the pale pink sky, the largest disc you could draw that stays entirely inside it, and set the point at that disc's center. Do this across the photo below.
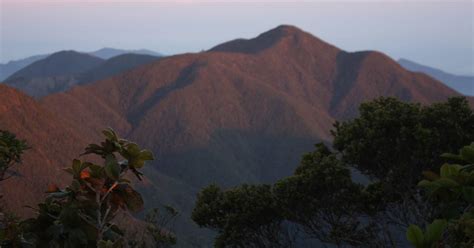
(437, 33)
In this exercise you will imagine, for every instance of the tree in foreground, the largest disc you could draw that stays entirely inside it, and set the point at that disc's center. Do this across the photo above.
(323, 201)
(391, 143)
(83, 214)
(11, 150)
(452, 191)
(247, 216)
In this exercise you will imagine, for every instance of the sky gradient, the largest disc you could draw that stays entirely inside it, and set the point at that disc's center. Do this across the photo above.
(435, 33)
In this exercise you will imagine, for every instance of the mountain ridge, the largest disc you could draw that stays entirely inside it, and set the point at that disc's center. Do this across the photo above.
(65, 69)
(13, 66)
(66, 62)
(463, 84)
(54, 73)
(108, 52)
(9, 68)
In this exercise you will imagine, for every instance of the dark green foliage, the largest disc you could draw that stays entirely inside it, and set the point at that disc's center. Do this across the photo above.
(247, 216)
(11, 150)
(392, 143)
(157, 222)
(157, 232)
(309, 197)
(10, 230)
(453, 192)
(82, 214)
(396, 141)
(428, 239)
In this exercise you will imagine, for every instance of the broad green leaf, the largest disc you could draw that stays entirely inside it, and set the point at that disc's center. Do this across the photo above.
(449, 170)
(112, 168)
(415, 235)
(425, 183)
(77, 167)
(92, 148)
(435, 230)
(110, 134)
(146, 155)
(467, 153)
(136, 163)
(133, 150)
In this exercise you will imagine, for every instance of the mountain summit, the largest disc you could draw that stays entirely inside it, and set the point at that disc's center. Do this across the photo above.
(280, 35)
(58, 64)
(107, 52)
(55, 73)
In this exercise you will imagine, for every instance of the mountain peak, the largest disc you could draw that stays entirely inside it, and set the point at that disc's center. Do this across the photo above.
(59, 63)
(109, 52)
(70, 54)
(66, 53)
(284, 30)
(287, 34)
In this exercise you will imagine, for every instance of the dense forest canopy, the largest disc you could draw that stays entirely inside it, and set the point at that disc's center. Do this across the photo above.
(393, 143)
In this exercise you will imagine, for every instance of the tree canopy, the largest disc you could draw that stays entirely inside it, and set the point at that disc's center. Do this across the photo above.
(83, 214)
(391, 143)
(11, 150)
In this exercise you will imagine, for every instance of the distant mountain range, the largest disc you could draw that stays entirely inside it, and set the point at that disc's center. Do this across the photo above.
(55, 73)
(7, 69)
(107, 52)
(462, 84)
(63, 70)
(243, 112)
(115, 65)
(15, 65)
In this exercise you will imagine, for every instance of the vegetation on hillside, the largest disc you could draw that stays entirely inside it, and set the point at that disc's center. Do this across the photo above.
(452, 191)
(11, 150)
(363, 192)
(375, 187)
(83, 214)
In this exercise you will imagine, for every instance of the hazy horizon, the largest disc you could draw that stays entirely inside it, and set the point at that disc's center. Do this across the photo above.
(433, 33)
